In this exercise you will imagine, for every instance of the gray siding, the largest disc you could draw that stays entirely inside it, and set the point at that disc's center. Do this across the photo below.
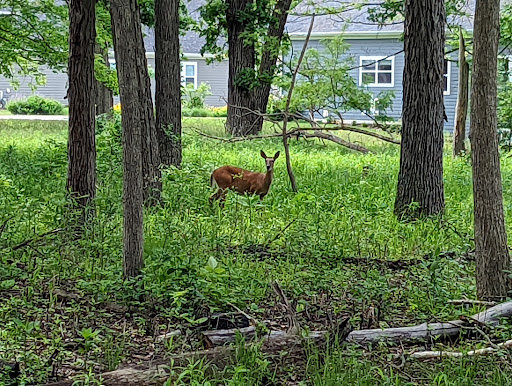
(386, 47)
(55, 87)
(215, 74)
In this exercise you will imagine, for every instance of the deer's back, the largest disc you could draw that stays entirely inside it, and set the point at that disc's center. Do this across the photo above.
(240, 179)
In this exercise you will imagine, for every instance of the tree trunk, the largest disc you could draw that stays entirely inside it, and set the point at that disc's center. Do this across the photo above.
(168, 81)
(125, 22)
(241, 120)
(269, 57)
(420, 180)
(459, 134)
(104, 95)
(492, 257)
(126, 17)
(81, 180)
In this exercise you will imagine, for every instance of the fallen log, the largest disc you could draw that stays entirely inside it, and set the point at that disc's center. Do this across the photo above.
(157, 372)
(421, 332)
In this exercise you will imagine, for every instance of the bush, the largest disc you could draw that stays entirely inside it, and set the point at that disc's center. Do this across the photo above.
(194, 97)
(36, 105)
(212, 112)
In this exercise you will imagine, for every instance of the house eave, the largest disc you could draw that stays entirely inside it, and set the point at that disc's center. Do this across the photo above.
(348, 35)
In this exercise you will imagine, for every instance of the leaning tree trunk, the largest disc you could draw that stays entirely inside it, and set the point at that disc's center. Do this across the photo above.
(241, 119)
(81, 180)
(420, 180)
(104, 96)
(126, 22)
(168, 81)
(492, 257)
(124, 15)
(269, 57)
(459, 134)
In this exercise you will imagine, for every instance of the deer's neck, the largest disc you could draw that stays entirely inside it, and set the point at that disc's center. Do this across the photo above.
(268, 179)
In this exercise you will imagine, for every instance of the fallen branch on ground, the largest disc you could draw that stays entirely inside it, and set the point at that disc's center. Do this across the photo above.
(38, 237)
(421, 332)
(459, 302)
(439, 354)
(333, 138)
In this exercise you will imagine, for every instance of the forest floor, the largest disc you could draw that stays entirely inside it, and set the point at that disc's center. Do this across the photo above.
(335, 248)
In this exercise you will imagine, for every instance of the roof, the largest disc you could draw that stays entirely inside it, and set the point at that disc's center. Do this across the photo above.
(353, 22)
(191, 43)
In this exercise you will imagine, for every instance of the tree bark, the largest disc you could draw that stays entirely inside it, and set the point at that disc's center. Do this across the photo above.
(129, 47)
(168, 81)
(242, 60)
(459, 134)
(248, 97)
(420, 179)
(125, 22)
(104, 95)
(267, 69)
(81, 179)
(492, 257)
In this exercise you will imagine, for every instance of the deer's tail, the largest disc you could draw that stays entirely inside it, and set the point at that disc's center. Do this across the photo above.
(213, 183)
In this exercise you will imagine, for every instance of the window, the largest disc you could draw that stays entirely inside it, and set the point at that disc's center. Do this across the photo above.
(189, 73)
(447, 77)
(377, 71)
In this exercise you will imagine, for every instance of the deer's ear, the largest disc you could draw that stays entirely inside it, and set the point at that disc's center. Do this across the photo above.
(277, 155)
(263, 154)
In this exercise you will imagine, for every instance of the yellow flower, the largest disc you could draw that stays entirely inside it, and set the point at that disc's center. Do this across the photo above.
(117, 107)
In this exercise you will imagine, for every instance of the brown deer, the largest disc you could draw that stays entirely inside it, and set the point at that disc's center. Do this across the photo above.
(242, 181)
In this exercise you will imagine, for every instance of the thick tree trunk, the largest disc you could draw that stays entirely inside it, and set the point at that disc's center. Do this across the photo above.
(125, 22)
(104, 95)
(269, 57)
(492, 257)
(241, 120)
(420, 179)
(459, 134)
(168, 81)
(81, 180)
(131, 49)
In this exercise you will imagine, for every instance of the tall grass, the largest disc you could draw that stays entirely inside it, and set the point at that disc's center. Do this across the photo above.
(201, 259)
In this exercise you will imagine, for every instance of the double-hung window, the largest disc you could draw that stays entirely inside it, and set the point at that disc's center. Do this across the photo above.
(189, 73)
(377, 71)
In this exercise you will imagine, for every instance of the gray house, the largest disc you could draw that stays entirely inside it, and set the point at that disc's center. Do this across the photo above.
(368, 43)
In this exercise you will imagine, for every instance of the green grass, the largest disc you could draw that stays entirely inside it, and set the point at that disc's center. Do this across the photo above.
(5, 112)
(201, 260)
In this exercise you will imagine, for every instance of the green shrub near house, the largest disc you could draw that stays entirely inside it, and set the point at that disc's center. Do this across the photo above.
(36, 105)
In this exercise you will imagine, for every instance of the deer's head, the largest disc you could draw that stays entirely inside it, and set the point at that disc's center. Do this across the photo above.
(269, 161)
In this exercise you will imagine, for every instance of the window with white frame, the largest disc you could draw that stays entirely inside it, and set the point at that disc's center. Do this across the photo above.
(377, 71)
(447, 76)
(189, 73)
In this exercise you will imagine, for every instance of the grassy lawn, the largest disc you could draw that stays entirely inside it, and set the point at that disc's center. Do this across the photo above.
(5, 112)
(327, 246)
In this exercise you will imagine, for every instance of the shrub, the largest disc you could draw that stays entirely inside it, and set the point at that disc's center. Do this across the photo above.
(36, 104)
(195, 112)
(194, 97)
(213, 112)
(219, 112)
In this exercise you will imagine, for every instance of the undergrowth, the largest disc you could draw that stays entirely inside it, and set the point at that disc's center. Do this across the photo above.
(335, 247)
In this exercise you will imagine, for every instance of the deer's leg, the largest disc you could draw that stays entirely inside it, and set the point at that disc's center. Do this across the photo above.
(215, 196)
